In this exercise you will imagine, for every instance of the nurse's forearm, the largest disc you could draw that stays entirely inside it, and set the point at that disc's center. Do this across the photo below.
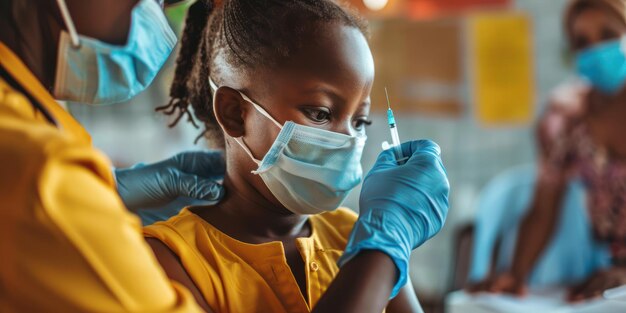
(363, 285)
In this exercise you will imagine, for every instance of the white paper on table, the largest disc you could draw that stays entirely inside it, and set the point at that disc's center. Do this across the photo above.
(617, 293)
(537, 301)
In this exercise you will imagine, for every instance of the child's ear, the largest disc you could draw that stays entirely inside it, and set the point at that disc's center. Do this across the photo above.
(228, 107)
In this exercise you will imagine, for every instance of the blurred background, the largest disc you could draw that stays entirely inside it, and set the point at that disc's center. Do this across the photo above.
(471, 75)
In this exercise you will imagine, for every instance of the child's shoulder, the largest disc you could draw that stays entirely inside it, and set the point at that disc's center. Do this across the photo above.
(183, 224)
(340, 216)
(335, 224)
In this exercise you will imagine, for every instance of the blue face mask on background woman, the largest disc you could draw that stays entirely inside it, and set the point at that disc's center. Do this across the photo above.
(604, 65)
(94, 72)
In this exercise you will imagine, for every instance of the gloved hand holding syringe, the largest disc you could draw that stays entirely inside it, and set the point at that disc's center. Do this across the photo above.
(395, 139)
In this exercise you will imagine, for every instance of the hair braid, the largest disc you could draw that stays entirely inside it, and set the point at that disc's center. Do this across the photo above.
(195, 24)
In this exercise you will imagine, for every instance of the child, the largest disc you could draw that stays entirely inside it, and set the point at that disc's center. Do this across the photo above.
(284, 87)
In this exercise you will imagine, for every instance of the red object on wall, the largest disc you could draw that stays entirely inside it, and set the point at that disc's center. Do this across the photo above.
(425, 9)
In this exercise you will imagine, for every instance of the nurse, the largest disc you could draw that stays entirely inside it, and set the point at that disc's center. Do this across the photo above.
(68, 242)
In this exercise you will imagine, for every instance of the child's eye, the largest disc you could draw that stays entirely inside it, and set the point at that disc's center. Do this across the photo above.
(361, 122)
(318, 115)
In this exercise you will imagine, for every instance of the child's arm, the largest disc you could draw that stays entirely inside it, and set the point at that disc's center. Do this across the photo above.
(175, 271)
(363, 285)
(402, 206)
(405, 301)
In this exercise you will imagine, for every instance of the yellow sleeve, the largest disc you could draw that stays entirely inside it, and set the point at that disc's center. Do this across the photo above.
(67, 243)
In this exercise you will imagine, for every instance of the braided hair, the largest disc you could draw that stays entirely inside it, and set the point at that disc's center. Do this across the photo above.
(248, 34)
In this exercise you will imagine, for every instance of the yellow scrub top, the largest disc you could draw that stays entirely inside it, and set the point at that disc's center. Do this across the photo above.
(67, 243)
(235, 276)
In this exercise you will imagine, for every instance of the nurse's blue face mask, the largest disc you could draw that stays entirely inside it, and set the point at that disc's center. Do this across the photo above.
(309, 170)
(93, 72)
(604, 65)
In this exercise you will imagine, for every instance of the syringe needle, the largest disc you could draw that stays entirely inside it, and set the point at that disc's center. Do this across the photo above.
(395, 139)
(388, 102)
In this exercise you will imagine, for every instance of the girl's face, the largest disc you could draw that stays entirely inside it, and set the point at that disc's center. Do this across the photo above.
(595, 25)
(326, 85)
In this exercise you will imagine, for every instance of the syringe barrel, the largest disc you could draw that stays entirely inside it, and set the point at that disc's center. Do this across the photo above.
(395, 139)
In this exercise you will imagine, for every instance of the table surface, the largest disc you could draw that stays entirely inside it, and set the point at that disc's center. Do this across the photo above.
(538, 301)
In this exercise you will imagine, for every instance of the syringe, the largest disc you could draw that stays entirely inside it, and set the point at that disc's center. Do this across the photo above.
(395, 139)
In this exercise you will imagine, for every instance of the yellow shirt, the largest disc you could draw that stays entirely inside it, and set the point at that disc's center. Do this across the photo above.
(234, 276)
(67, 243)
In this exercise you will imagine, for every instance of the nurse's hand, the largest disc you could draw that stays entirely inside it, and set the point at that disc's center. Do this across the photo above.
(188, 174)
(501, 283)
(401, 206)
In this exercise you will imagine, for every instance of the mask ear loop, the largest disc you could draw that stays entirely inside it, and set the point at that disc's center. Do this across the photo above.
(256, 106)
(245, 148)
(261, 110)
(239, 140)
(65, 13)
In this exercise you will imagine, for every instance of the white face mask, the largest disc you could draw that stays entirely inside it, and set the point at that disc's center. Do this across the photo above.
(309, 170)
(94, 72)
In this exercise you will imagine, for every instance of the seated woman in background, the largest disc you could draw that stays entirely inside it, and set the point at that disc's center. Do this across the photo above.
(285, 87)
(581, 134)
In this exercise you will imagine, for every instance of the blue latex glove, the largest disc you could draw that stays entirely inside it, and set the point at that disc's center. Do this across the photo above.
(401, 206)
(188, 174)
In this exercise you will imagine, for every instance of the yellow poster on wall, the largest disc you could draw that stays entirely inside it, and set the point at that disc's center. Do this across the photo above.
(502, 72)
